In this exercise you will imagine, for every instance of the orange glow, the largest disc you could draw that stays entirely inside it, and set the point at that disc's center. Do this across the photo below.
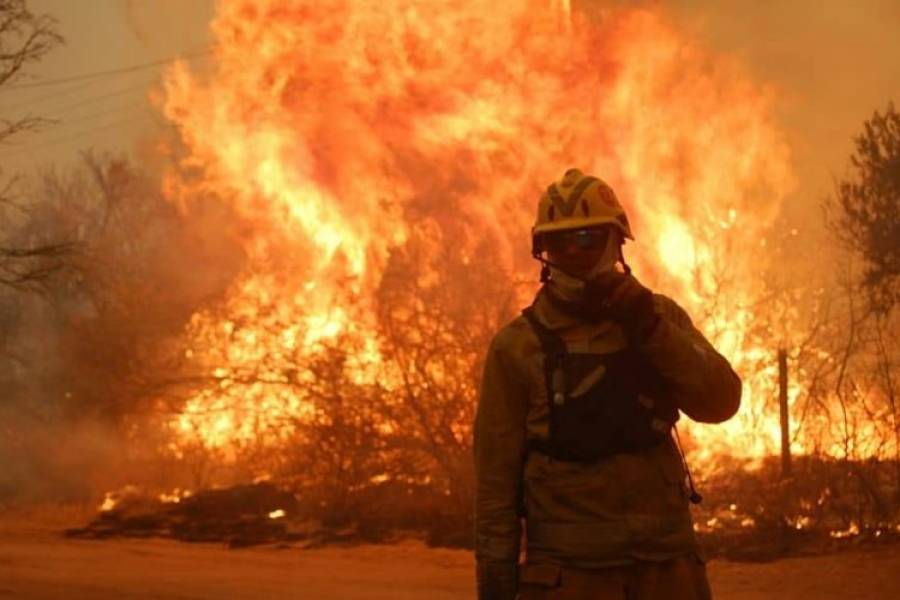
(339, 129)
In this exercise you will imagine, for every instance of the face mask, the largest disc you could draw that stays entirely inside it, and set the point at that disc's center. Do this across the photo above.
(566, 286)
(610, 256)
(572, 288)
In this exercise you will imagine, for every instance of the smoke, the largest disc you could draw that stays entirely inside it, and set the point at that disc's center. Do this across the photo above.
(99, 341)
(831, 63)
(165, 25)
(45, 453)
(49, 459)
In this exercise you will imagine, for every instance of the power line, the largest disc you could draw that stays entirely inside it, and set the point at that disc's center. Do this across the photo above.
(65, 93)
(83, 81)
(109, 73)
(35, 100)
(79, 134)
(63, 122)
(115, 94)
(90, 116)
(56, 123)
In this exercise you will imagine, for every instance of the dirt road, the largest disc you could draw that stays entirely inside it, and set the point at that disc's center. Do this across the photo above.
(36, 562)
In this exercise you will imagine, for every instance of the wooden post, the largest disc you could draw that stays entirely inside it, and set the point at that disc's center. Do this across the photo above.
(785, 416)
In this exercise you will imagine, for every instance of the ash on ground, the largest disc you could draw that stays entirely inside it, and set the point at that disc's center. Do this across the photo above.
(239, 516)
(747, 514)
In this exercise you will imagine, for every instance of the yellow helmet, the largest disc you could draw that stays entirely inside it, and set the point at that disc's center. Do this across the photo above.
(577, 201)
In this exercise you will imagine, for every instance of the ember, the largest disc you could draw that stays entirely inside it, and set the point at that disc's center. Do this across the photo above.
(239, 516)
(370, 184)
(758, 515)
(255, 256)
(746, 516)
(417, 147)
(362, 215)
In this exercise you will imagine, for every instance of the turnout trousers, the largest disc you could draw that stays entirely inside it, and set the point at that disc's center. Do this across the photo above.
(683, 578)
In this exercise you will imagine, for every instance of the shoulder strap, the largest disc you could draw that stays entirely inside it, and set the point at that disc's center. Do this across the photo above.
(552, 344)
(555, 352)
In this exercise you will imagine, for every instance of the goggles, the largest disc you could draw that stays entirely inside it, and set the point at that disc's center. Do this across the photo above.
(583, 239)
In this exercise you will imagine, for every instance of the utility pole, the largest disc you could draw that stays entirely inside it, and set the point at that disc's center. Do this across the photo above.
(785, 416)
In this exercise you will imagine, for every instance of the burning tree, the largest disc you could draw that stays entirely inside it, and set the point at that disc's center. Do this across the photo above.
(835, 327)
(864, 217)
(381, 195)
(385, 190)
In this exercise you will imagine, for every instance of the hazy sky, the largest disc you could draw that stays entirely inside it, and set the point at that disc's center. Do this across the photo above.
(832, 63)
(109, 112)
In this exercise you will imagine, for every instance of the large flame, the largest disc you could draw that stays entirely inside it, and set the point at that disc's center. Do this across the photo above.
(341, 129)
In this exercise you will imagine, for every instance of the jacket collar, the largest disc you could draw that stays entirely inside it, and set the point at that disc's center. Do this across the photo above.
(550, 315)
(580, 335)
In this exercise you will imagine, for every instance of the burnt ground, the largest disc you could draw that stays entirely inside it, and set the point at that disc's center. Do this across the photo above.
(38, 561)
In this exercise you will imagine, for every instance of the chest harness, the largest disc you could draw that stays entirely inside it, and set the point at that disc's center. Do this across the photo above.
(626, 410)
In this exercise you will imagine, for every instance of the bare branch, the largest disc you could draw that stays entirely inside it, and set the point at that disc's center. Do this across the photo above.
(24, 38)
(23, 268)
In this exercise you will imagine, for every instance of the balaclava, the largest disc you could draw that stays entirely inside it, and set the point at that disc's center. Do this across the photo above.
(571, 289)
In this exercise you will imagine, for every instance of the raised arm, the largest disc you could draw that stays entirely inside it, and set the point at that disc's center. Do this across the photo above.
(704, 385)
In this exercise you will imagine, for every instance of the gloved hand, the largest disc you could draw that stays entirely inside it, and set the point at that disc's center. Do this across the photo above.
(622, 297)
(497, 581)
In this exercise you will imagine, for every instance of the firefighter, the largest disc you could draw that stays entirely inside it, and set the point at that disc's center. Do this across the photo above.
(574, 441)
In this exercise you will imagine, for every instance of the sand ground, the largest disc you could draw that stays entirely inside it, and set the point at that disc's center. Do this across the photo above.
(37, 562)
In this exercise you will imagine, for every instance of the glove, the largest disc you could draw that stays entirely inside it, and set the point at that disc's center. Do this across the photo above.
(621, 297)
(497, 581)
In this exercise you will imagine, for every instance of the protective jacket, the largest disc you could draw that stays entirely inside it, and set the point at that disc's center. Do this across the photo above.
(616, 510)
